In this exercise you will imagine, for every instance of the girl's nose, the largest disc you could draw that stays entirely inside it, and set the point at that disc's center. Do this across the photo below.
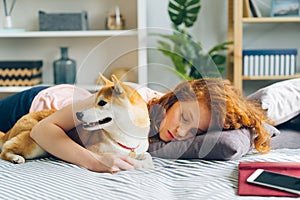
(181, 131)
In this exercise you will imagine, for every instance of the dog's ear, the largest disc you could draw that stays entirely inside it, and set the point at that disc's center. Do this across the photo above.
(117, 85)
(102, 80)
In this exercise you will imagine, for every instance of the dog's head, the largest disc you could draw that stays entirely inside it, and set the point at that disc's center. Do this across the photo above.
(118, 109)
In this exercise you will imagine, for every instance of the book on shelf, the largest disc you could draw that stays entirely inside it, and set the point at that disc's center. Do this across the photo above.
(269, 62)
(246, 9)
(254, 8)
(247, 168)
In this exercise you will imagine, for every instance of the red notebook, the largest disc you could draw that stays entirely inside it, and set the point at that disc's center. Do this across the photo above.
(247, 168)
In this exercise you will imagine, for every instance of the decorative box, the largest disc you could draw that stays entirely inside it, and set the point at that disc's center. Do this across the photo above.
(269, 62)
(20, 73)
(63, 21)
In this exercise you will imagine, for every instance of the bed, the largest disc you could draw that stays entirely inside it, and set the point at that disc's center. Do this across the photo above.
(51, 178)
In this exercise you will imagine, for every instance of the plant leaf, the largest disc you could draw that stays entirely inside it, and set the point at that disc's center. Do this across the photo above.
(174, 55)
(220, 47)
(219, 59)
(183, 75)
(184, 11)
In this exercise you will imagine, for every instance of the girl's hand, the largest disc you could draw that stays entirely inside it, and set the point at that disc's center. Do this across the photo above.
(112, 163)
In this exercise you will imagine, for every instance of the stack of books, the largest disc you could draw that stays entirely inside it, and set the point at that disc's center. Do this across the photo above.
(269, 62)
(251, 8)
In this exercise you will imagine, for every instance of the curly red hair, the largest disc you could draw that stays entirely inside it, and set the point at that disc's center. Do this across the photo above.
(229, 109)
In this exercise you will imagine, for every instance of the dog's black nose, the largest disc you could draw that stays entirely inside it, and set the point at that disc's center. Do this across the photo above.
(79, 115)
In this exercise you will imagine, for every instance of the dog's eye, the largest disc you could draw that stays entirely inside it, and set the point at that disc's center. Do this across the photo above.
(102, 103)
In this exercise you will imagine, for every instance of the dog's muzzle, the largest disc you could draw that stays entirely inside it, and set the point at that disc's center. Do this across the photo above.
(85, 124)
(100, 122)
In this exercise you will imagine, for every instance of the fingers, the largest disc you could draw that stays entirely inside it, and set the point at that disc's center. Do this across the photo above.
(124, 163)
(113, 163)
(128, 159)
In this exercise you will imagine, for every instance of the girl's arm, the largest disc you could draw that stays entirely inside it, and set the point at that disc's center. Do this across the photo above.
(50, 134)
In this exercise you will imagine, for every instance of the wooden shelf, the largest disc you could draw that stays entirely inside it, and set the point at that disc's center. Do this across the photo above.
(236, 22)
(270, 77)
(50, 34)
(15, 89)
(271, 19)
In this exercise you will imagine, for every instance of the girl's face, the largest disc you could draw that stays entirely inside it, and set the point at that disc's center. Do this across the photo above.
(183, 120)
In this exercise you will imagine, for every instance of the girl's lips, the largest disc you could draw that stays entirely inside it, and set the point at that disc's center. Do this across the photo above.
(171, 136)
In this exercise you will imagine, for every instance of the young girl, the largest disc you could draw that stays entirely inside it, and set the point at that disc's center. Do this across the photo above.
(192, 108)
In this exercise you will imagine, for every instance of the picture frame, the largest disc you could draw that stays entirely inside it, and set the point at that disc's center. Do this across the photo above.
(285, 8)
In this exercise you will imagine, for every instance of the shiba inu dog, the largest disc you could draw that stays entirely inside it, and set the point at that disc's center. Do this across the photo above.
(118, 122)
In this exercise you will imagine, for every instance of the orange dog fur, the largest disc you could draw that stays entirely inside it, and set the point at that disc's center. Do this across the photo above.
(17, 144)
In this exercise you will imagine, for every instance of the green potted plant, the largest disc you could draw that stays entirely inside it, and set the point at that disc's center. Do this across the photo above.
(187, 55)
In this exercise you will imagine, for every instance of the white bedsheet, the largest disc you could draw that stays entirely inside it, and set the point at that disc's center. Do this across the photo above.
(171, 179)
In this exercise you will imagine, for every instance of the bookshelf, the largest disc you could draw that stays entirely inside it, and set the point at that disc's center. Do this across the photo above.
(236, 21)
(60, 34)
(271, 20)
(95, 50)
(270, 77)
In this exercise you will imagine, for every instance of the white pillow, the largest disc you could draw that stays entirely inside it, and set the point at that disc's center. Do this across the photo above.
(281, 100)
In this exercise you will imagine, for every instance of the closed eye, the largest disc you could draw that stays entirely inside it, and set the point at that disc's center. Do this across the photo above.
(184, 118)
(102, 103)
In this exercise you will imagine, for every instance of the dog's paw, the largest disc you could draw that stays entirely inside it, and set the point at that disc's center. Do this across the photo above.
(142, 164)
(147, 165)
(18, 159)
(144, 161)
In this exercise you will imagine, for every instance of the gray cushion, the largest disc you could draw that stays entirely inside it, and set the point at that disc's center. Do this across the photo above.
(288, 138)
(293, 124)
(224, 145)
(289, 135)
(219, 145)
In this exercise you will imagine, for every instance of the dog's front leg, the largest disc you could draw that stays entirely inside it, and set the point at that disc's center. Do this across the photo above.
(144, 161)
